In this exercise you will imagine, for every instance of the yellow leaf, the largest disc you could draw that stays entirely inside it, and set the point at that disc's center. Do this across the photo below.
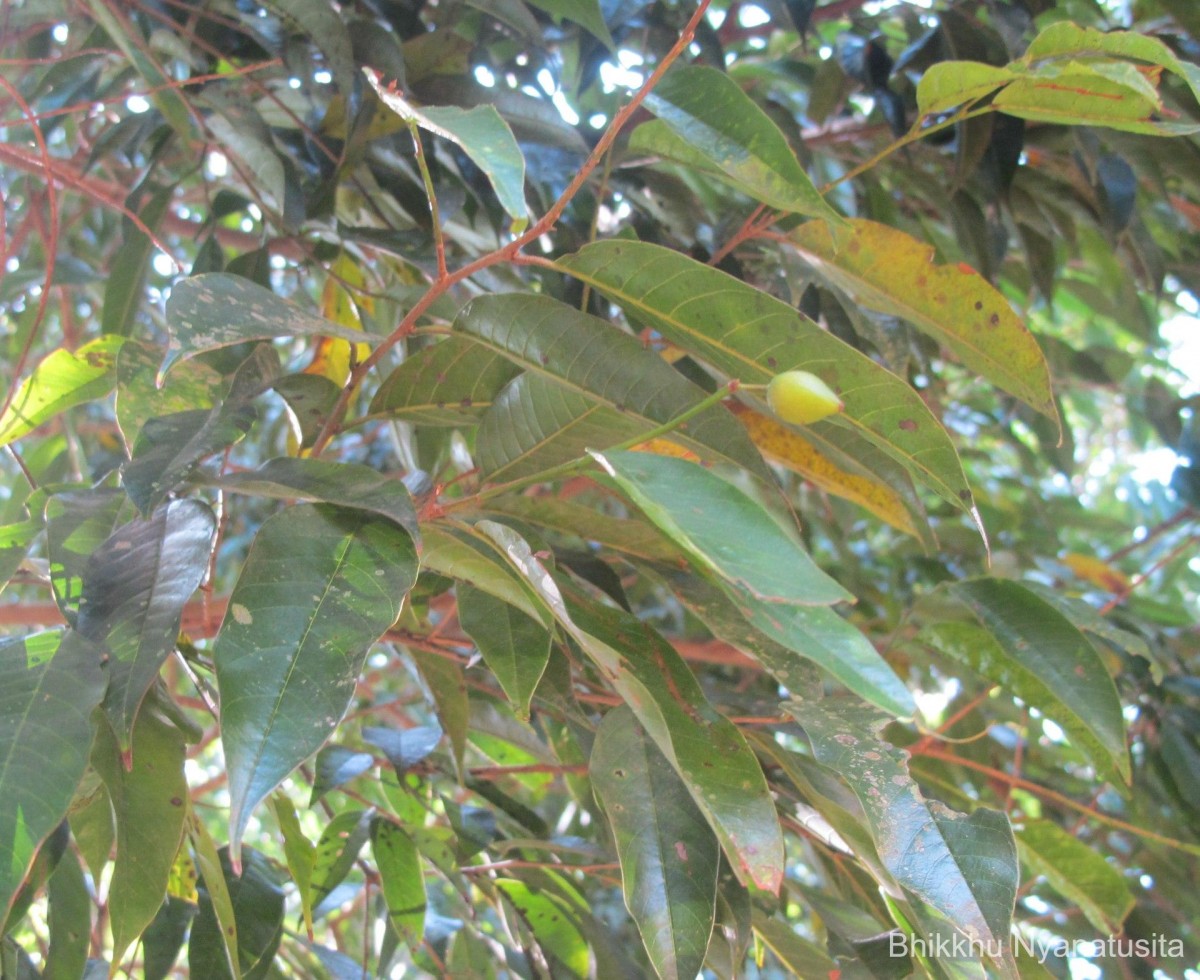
(781, 445)
(181, 883)
(341, 300)
(1096, 571)
(664, 447)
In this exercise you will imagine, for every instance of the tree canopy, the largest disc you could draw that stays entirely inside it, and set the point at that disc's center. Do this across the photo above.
(600, 488)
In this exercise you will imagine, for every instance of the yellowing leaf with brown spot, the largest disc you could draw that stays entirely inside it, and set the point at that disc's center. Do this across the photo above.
(782, 445)
(664, 447)
(340, 302)
(1097, 572)
(892, 272)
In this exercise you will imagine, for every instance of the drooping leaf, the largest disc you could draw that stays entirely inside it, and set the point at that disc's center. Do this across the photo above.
(336, 765)
(319, 481)
(722, 530)
(777, 635)
(70, 921)
(748, 335)
(1078, 873)
(707, 751)
(222, 942)
(401, 879)
(328, 32)
(975, 884)
(450, 383)
(165, 936)
(783, 445)
(135, 586)
(1039, 655)
(257, 904)
(797, 954)
(139, 399)
(711, 118)
(515, 647)
(125, 289)
(888, 270)
(320, 585)
(77, 523)
(300, 853)
(61, 381)
(596, 359)
(668, 854)
(337, 849)
(586, 13)
(549, 920)
(49, 685)
(149, 804)
(220, 309)
(482, 134)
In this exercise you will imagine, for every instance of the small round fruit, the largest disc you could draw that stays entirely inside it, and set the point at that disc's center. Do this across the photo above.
(801, 398)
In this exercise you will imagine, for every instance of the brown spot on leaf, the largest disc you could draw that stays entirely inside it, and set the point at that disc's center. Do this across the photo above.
(908, 425)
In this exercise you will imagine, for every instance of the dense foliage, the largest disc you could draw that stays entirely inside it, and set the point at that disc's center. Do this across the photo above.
(407, 573)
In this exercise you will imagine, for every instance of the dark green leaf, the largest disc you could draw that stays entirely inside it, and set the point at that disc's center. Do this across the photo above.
(320, 585)
(335, 765)
(70, 926)
(257, 902)
(49, 685)
(515, 647)
(668, 854)
(401, 879)
(125, 290)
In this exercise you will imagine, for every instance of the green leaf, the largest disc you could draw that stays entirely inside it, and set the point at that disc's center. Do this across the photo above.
(1039, 655)
(169, 447)
(707, 751)
(400, 879)
(450, 383)
(480, 132)
(61, 381)
(722, 530)
(165, 936)
(256, 901)
(795, 953)
(462, 553)
(49, 685)
(713, 119)
(551, 923)
(1078, 873)
(220, 309)
(336, 765)
(669, 856)
(515, 647)
(125, 290)
(952, 83)
(594, 358)
(138, 397)
(586, 13)
(337, 850)
(975, 858)
(1086, 98)
(890, 271)
(346, 484)
(215, 898)
(77, 523)
(15, 540)
(777, 636)
(535, 424)
(321, 584)
(746, 334)
(135, 586)
(299, 852)
(319, 21)
(70, 924)
(149, 803)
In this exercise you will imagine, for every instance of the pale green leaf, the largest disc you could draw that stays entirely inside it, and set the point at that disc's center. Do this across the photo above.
(400, 879)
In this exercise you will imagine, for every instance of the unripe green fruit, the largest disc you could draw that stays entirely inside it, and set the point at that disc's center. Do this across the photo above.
(801, 398)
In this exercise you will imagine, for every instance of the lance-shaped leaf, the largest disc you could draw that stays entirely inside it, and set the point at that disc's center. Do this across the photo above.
(964, 867)
(785, 446)
(552, 922)
(135, 586)
(888, 270)
(536, 423)
(400, 879)
(320, 585)
(149, 804)
(797, 954)
(49, 685)
(1039, 655)
(722, 530)
(319, 481)
(77, 523)
(256, 904)
(480, 132)
(749, 335)
(220, 309)
(952, 83)
(634, 537)
(669, 856)
(707, 751)
(715, 125)
(594, 358)
(197, 386)
(299, 852)
(776, 636)
(515, 647)
(1078, 873)
(61, 381)
(450, 383)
